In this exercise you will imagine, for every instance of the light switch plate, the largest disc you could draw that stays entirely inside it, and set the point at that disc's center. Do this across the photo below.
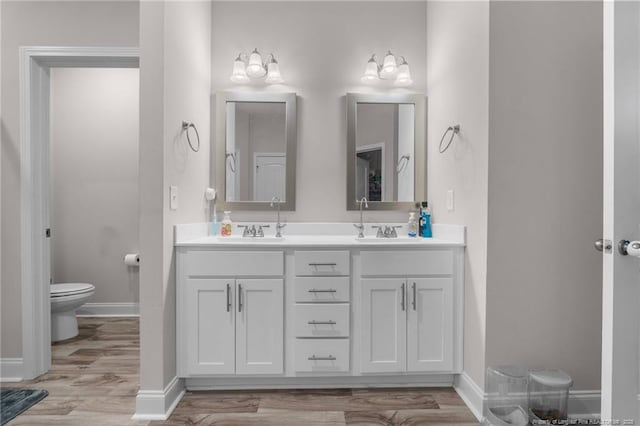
(173, 197)
(450, 200)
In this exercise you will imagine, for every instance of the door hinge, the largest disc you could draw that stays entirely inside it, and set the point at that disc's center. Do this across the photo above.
(47, 233)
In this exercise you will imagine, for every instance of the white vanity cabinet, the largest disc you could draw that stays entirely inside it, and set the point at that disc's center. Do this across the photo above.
(230, 325)
(318, 311)
(407, 312)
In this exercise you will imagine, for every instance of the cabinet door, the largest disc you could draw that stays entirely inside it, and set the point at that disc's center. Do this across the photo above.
(209, 327)
(430, 324)
(384, 326)
(259, 326)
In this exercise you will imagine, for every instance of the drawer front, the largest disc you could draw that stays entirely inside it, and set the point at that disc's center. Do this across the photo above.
(234, 263)
(322, 289)
(321, 355)
(407, 263)
(322, 320)
(318, 263)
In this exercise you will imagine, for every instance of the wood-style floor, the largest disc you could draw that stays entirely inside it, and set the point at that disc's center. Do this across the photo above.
(94, 379)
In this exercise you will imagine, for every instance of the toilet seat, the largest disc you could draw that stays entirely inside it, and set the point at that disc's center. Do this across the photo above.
(70, 289)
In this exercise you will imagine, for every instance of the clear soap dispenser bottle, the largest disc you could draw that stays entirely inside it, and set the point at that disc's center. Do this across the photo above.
(413, 225)
(227, 225)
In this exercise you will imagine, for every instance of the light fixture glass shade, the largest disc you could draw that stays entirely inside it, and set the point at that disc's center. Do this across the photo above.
(404, 75)
(389, 66)
(255, 69)
(273, 73)
(239, 74)
(370, 72)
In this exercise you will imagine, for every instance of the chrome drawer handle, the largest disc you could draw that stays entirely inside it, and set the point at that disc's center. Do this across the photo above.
(321, 322)
(330, 290)
(322, 358)
(323, 264)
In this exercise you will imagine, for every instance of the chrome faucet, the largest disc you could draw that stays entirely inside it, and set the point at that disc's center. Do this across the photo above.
(360, 226)
(279, 225)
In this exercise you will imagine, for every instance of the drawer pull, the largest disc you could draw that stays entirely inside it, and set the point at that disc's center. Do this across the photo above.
(330, 290)
(323, 264)
(228, 299)
(322, 358)
(321, 322)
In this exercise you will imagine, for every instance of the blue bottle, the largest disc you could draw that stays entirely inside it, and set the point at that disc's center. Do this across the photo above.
(425, 221)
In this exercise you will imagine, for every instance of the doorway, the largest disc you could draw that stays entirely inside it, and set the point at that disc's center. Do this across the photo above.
(35, 66)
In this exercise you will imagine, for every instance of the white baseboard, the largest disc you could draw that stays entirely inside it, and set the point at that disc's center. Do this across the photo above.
(470, 392)
(108, 310)
(158, 405)
(11, 369)
(582, 403)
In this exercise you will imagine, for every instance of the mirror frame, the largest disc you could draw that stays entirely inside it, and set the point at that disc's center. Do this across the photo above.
(420, 147)
(218, 155)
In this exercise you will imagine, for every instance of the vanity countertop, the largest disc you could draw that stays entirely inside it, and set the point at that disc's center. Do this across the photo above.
(316, 235)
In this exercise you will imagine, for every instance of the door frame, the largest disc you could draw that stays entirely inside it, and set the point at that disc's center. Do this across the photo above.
(383, 162)
(620, 354)
(35, 63)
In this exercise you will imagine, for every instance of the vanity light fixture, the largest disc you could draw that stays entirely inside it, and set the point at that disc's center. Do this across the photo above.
(388, 70)
(250, 68)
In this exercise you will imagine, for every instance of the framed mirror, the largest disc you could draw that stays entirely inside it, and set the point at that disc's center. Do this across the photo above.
(386, 150)
(255, 150)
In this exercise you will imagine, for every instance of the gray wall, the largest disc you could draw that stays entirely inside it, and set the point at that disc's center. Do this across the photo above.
(48, 23)
(94, 179)
(544, 279)
(322, 48)
(458, 89)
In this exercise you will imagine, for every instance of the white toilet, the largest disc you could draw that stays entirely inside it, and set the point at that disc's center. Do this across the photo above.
(65, 299)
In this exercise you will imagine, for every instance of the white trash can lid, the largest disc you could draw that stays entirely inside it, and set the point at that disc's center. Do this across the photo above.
(551, 378)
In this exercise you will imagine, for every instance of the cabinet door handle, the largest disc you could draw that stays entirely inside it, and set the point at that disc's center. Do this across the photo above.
(322, 264)
(228, 297)
(414, 296)
(402, 297)
(322, 358)
(239, 297)
(330, 290)
(314, 322)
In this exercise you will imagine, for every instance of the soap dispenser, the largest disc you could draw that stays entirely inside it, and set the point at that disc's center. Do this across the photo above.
(425, 221)
(413, 225)
(227, 225)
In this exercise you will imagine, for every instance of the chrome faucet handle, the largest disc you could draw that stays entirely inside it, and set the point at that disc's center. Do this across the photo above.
(360, 228)
(394, 233)
(380, 233)
(260, 232)
(245, 232)
(252, 231)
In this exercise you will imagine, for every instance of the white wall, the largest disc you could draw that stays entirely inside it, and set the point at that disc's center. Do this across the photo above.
(322, 48)
(175, 84)
(458, 90)
(47, 23)
(94, 179)
(544, 279)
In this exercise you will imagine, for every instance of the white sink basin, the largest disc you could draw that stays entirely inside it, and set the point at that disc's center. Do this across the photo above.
(236, 239)
(403, 240)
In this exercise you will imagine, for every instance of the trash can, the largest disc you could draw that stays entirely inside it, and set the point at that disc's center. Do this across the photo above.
(507, 393)
(548, 396)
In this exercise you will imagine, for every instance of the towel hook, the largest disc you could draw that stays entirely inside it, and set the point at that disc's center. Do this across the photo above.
(185, 127)
(454, 131)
